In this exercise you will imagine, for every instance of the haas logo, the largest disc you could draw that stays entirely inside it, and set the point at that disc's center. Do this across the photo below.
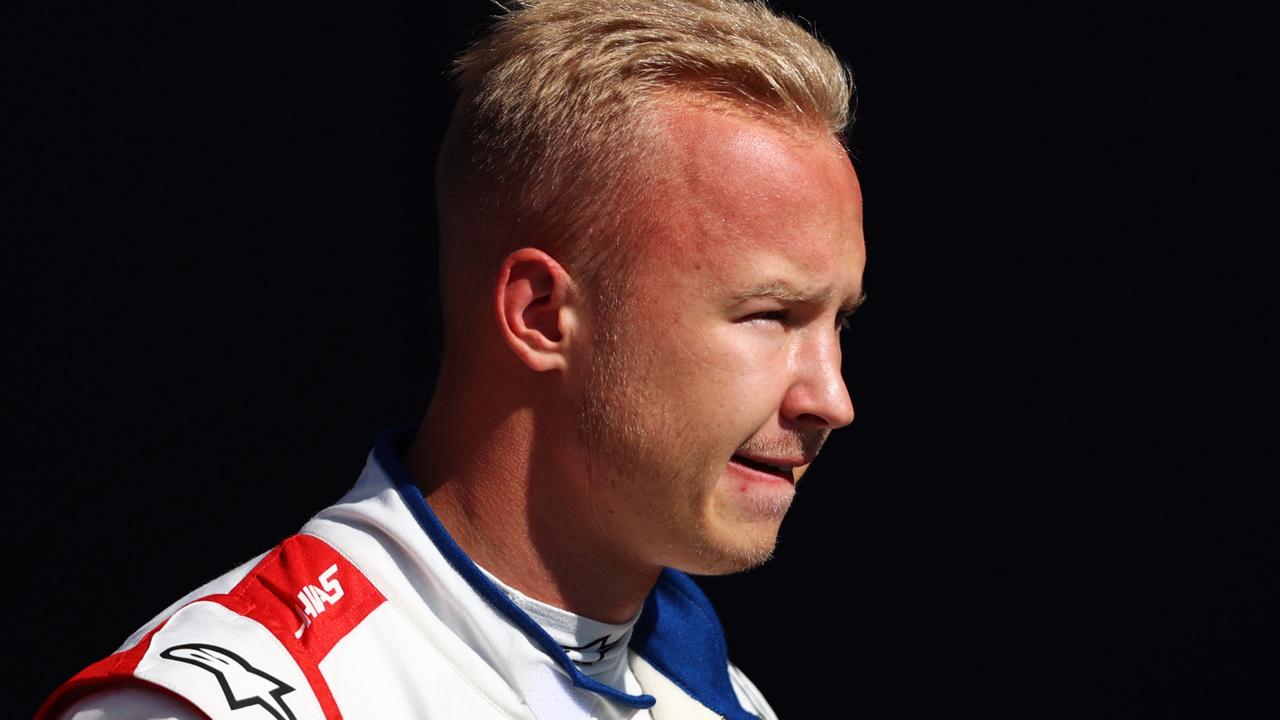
(313, 599)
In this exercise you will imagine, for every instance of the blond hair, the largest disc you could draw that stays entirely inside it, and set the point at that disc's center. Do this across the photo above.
(547, 143)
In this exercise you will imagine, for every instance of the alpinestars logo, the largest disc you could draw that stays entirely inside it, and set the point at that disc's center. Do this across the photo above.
(243, 684)
(592, 652)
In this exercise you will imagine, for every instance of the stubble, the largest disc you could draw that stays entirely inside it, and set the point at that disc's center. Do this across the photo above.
(636, 450)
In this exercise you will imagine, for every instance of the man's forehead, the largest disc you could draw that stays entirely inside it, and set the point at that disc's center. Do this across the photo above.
(740, 206)
(736, 179)
(774, 154)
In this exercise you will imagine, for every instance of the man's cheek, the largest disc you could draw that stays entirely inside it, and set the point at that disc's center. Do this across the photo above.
(731, 355)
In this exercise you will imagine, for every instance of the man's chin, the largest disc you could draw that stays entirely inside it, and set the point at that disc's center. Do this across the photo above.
(735, 555)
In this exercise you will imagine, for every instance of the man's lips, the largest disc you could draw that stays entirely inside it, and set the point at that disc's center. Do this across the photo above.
(778, 469)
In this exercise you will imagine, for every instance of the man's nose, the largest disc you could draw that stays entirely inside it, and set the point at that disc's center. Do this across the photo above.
(817, 395)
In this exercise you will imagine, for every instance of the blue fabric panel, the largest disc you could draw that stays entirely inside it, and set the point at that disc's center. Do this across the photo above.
(679, 634)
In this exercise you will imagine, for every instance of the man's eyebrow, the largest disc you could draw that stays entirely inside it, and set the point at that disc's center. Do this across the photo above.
(786, 292)
(849, 306)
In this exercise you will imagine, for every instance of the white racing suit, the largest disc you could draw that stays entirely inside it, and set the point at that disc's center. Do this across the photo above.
(373, 611)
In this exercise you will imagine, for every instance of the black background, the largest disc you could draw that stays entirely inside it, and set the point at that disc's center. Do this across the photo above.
(218, 238)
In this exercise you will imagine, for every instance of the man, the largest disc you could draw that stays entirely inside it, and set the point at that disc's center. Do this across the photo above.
(650, 239)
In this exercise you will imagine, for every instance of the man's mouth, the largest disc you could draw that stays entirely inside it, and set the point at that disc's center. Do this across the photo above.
(778, 471)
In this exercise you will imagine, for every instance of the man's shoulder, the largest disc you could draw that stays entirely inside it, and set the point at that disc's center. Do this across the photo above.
(251, 636)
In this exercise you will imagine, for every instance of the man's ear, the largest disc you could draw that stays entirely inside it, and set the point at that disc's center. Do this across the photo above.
(533, 299)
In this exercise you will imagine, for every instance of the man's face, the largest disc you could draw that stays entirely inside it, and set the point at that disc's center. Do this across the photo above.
(724, 356)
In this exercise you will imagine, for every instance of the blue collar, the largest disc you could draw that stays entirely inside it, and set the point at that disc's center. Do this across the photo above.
(678, 631)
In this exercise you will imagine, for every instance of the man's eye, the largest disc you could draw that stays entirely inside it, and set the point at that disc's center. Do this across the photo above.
(778, 316)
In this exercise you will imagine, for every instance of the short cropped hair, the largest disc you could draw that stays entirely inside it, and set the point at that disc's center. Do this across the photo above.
(546, 147)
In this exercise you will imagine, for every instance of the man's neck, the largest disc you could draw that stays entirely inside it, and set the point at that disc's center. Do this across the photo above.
(511, 507)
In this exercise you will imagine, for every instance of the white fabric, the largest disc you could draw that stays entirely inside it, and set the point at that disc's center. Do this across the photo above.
(748, 695)
(435, 649)
(598, 648)
(131, 703)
